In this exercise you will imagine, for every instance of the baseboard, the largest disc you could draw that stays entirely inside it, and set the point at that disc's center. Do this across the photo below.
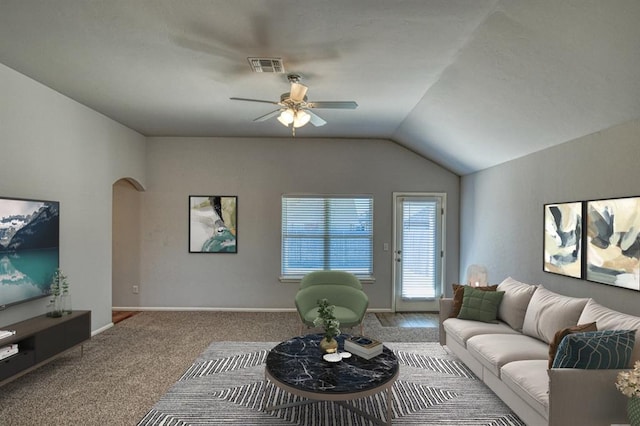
(101, 329)
(219, 309)
(198, 308)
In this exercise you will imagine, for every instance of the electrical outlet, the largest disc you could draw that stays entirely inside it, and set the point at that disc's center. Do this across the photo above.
(135, 289)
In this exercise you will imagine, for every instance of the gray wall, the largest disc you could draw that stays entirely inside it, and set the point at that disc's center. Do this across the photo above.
(56, 149)
(126, 243)
(502, 208)
(259, 171)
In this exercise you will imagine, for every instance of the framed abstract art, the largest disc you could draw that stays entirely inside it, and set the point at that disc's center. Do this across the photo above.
(613, 242)
(563, 239)
(213, 224)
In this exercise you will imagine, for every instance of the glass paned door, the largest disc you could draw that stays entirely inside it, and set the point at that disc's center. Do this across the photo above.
(418, 251)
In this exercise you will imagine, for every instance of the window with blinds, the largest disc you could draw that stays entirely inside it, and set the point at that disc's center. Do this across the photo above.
(327, 232)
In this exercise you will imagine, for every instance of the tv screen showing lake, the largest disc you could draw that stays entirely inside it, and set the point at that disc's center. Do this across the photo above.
(29, 248)
(26, 275)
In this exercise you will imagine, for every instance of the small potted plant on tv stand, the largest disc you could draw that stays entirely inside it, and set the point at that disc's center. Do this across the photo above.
(60, 302)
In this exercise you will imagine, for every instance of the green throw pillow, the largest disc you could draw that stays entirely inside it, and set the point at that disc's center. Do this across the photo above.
(606, 349)
(480, 305)
(458, 294)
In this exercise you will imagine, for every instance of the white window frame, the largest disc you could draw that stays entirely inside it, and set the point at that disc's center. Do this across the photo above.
(293, 277)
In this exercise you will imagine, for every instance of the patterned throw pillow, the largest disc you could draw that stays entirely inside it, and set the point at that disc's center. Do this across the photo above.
(605, 349)
(458, 294)
(560, 334)
(478, 305)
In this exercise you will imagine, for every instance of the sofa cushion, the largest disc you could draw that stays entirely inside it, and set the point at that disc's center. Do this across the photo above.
(458, 295)
(608, 319)
(515, 301)
(549, 312)
(495, 350)
(461, 330)
(480, 305)
(560, 334)
(606, 349)
(529, 380)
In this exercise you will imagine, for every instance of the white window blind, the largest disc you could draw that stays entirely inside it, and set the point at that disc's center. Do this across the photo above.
(327, 232)
(420, 253)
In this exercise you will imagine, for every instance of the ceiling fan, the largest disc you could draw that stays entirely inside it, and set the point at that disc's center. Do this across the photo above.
(295, 110)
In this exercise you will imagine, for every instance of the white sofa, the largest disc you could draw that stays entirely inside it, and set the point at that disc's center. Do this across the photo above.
(511, 356)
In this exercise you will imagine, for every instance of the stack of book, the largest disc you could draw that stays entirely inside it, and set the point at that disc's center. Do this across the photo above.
(7, 351)
(364, 347)
(6, 333)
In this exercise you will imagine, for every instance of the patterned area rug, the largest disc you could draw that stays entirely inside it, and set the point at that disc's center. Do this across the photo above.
(226, 385)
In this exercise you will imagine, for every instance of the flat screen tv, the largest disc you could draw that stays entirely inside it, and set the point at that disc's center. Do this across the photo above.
(29, 248)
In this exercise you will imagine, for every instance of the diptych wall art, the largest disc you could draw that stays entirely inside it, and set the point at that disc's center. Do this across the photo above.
(213, 224)
(597, 240)
(613, 245)
(563, 239)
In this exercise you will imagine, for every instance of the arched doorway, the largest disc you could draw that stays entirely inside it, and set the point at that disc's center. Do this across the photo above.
(126, 240)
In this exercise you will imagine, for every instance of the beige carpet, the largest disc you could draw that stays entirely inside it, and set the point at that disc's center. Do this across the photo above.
(126, 369)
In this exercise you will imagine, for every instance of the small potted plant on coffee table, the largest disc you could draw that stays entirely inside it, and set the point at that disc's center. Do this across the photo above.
(330, 324)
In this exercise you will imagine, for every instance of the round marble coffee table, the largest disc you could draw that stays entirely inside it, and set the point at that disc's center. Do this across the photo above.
(297, 366)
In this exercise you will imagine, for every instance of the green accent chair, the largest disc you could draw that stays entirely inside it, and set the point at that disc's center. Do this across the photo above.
(340, 288)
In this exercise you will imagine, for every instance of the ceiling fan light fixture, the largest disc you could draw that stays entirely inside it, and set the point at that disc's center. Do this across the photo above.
(301, 118)
(286, 117)
(298, 92)
(294, 110)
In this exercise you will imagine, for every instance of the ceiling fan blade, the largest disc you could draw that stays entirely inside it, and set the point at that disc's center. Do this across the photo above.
(298, 92)
(315, 119)
(254, 100)
(268, 115)
(333, 104)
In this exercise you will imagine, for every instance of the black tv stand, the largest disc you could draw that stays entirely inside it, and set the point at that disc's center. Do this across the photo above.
(41, 339)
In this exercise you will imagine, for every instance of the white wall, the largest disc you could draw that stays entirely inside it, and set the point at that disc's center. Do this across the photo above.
(53, 148)
(502, 208)
(259, 171)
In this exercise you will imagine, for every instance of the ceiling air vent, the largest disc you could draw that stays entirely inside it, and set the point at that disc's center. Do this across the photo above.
(266, 64)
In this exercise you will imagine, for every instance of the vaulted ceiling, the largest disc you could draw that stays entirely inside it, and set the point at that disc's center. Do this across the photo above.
(466, 83)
